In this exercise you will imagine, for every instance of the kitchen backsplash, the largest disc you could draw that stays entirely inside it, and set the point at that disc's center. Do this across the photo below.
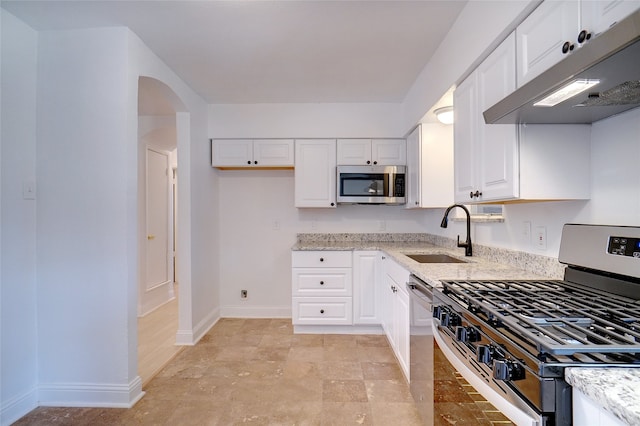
(542, 265)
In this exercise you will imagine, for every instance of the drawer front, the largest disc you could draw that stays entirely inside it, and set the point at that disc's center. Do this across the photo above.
(322, 310)
(321, 259)
(322, 281)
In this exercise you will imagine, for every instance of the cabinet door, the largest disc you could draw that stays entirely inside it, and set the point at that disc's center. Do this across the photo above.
(402, 320)
(599, 15)
(389, 152)
(366, 296)
(231, 152)
(541, 35)
(315, 173)
(354, 152)
(498, 177)
(464, 139)
(273, 152)
(414, 169)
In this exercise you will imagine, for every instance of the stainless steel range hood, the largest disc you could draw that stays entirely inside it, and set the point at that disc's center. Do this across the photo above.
(612, 57)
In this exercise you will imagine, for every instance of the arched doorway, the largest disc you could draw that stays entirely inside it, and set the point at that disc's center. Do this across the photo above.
(158, 148)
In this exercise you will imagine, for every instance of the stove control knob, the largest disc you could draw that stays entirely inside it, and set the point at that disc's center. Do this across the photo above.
(467, 334)
(454, 320)
(444, 318)
(507, 369)
(437, 311)
(485, 354)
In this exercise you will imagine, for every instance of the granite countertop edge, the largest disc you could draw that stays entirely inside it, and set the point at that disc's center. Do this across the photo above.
(616, 389)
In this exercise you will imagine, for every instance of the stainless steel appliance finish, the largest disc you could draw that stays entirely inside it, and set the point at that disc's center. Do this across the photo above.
(371, 184)
(518, 336)
(613, 57)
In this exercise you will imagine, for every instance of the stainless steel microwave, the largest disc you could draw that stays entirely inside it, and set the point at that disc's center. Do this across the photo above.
(371, 184)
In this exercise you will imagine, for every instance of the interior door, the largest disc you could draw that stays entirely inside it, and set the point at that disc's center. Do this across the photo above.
(159, 219)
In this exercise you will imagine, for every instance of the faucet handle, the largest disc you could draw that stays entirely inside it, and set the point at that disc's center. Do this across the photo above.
(461, 244)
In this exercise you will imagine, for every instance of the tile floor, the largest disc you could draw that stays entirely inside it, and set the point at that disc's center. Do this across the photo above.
(257, 372)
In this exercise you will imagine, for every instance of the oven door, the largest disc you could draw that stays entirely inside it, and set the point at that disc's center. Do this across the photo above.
(458, 366)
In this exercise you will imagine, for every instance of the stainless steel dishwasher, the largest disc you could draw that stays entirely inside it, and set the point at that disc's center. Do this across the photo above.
(421, 361)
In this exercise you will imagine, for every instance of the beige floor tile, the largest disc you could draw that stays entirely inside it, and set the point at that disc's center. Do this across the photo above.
(346, 413)
(256, 371)
(344, 391)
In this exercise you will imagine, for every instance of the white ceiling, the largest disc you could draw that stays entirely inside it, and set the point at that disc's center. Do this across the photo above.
(272, 51)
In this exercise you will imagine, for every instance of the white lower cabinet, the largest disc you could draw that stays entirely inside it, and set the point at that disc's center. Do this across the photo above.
(396, 316)
(588, 412)
(321, 288)
(366, 293)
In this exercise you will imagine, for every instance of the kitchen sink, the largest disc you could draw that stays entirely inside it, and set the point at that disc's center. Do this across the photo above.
(435, 258)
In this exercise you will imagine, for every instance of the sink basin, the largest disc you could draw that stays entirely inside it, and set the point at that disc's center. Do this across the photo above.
(435, 258)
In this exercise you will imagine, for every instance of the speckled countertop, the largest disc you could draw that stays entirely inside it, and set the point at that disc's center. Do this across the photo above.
(616, 389)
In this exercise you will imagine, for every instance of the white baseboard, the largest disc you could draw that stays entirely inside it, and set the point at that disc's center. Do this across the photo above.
(18, 406)
(239, 311)
(337, 329)
(191, 337)
(90, 394)
(156, 297)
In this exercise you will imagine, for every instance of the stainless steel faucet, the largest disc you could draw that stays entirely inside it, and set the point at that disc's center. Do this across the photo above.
(467, 244)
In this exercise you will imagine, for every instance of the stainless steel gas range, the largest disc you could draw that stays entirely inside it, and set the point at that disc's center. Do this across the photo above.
(512, 340)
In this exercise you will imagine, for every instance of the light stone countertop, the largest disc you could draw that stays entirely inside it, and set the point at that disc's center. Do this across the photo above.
(617, 390)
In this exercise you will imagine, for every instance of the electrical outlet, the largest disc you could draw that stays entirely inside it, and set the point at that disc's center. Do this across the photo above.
(541, 237)
(244, 294)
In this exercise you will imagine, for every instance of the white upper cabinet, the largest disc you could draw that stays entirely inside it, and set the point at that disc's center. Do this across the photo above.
(430, 166)
(546, 36)
(315, 173)
(384, 152)
(507, 162)
(485, 155)
(557, 28)
(598, 16)
(255, 153)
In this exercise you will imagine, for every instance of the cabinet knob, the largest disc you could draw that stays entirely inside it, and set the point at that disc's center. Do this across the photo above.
(321, 282)
(255, 162)
(322, 311)
(417, 203)
(375, 162)
(567, 46)
(249, 162)
(333, 204)
(584, 36)
(368, 161)
(322, 259)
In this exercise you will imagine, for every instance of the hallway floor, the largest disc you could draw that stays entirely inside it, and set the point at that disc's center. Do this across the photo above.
(256, 371)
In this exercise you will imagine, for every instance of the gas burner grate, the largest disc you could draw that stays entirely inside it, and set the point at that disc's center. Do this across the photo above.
(560, 317)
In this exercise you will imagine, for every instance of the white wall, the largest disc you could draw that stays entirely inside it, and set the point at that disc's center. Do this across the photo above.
(480, 27)
(253, 254)
(86, 209)
(18, 354)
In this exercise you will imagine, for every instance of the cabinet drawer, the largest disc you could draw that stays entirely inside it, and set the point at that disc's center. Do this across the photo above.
(321, 281)
(315, 259)
(322, 310)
